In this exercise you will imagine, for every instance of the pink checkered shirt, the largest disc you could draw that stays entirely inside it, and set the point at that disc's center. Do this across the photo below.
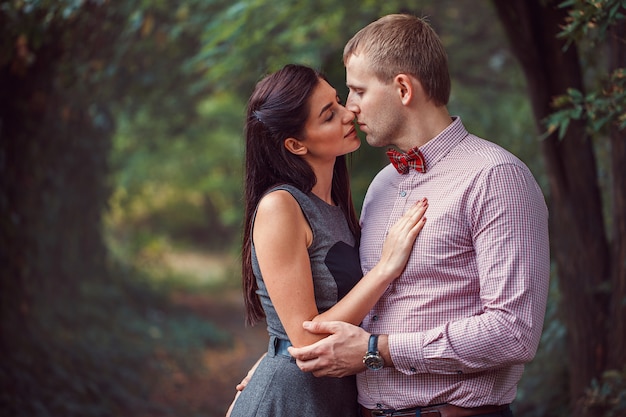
(468, 311)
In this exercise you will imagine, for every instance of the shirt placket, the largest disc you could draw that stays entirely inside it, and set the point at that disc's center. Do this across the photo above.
(401, 203)
(403, 194)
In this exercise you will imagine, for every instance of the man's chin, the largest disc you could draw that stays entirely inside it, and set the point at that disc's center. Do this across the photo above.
(371, 141)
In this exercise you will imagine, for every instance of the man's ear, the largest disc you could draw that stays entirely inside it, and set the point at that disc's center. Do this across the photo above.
(295, 146)
(407, 87)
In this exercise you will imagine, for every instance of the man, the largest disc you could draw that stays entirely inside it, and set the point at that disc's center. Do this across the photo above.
(455, 329)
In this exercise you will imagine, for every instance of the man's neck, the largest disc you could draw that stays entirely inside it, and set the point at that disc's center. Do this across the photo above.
(428, 122)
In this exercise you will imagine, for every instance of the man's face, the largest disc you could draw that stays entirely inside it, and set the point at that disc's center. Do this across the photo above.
(373, 102)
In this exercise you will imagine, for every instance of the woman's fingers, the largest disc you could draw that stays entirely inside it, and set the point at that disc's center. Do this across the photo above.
(414, 217)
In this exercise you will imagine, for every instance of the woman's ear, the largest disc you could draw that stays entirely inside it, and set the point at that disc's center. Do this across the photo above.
(295, 146)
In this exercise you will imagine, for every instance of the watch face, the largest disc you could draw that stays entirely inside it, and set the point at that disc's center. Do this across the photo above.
(373, 362)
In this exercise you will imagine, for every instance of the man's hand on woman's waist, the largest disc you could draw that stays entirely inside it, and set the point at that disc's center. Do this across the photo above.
(339, 354)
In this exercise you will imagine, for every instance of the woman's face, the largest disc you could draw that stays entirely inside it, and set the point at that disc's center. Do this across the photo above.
(329, 130)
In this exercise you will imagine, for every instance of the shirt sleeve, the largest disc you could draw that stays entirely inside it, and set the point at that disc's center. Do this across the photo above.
(509, 224)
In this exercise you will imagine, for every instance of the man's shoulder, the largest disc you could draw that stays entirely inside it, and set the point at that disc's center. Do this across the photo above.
(488, 152)
(387, 178)
(383, 185)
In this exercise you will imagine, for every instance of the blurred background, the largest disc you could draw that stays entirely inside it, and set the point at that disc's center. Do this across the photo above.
(121, 154)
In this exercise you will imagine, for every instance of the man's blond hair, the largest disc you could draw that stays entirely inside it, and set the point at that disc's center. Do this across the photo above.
(404, 44)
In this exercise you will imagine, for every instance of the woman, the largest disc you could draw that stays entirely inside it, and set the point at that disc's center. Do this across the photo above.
(300, 244)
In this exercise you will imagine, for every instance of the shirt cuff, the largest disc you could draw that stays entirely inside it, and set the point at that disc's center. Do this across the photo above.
(407, 350)
(407, 353)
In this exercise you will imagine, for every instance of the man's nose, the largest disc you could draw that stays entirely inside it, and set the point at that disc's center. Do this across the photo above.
(351, 105)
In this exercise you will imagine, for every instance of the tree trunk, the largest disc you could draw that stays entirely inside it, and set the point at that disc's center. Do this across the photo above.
(578, 239)
(53, 167)
(617, 333)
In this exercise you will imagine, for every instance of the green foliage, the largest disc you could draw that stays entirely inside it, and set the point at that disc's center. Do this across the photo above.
(186, 186)
(590, 21)
(599, 108)
(265, 35)
(607, 397)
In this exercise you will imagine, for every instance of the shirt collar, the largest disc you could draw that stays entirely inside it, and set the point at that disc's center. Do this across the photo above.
(438, 147)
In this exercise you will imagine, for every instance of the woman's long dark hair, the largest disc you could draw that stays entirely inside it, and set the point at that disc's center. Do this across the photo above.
(278, 109)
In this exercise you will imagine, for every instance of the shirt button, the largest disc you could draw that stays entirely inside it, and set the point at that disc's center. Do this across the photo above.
(413, 369)
(459, 372)
(375, 318)
(402, 193)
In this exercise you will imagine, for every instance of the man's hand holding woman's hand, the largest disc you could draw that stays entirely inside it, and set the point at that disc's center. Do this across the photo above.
(339, 354)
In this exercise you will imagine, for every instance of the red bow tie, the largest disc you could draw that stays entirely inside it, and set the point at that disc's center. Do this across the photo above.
(405, 161)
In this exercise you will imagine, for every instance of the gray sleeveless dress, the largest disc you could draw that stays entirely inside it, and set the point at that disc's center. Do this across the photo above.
(278, 387)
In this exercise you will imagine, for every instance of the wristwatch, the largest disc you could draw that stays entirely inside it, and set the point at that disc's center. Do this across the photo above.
(372, 358)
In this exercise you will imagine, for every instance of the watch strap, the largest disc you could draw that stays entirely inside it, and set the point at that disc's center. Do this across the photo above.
(372, 346)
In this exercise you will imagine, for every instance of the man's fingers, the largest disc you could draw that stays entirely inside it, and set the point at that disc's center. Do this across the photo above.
(305, 366)
(322, 327)
(314, 366)
(305, 353)
(310, 352)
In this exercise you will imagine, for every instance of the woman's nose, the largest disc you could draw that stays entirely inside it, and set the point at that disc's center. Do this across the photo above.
(348, 116)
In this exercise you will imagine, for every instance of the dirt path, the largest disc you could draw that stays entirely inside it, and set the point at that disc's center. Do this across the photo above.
(209, 389)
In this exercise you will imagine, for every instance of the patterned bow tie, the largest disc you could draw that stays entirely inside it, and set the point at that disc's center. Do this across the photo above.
(405, 161)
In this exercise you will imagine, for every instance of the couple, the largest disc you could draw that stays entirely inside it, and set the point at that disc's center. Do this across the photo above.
(449, 309)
